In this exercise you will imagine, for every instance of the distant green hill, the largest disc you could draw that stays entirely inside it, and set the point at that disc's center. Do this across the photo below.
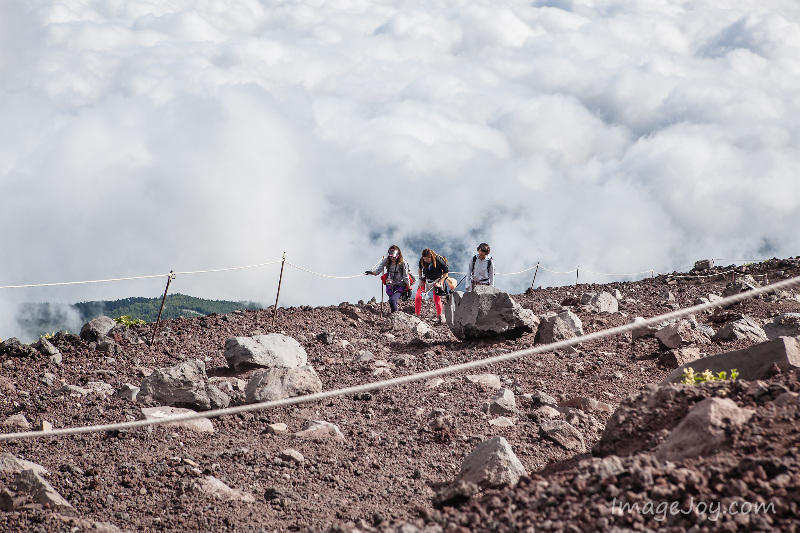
(175, 305)
(42, 318)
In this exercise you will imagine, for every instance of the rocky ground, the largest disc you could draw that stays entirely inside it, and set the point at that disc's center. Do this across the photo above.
(403, 447)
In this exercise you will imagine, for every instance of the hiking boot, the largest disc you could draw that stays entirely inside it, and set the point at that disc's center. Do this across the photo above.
(440, 319)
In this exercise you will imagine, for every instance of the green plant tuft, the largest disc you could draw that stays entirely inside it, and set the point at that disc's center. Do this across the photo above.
(690, 377)
(126, 320)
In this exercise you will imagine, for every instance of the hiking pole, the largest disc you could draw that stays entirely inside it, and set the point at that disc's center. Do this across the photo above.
(382, 291)
(534, 274)
(280, 280)
(170, 277)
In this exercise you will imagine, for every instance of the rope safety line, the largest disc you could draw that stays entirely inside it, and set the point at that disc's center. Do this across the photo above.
(358, 275)
(631, 274)
(81, 282)
(377, 385)
(325, 275)
(227, 269)
(554, 272)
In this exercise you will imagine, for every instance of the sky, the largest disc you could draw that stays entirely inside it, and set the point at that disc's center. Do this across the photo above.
(615, 137)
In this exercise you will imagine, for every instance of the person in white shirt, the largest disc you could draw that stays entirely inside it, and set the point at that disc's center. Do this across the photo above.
(481, 268)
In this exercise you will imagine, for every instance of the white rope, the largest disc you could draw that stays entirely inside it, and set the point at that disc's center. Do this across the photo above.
(620, 275)
(377, 385)
(228, 269)
(324, 275)
(514, 273)
(554, 272)
(81, 282)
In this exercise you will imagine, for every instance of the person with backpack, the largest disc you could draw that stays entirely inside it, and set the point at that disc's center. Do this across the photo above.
(397, 278)
(481, 268)
(433, 271)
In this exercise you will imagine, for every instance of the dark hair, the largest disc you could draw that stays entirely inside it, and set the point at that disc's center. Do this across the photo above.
(483, 247)
(428, 252)
(399, 257)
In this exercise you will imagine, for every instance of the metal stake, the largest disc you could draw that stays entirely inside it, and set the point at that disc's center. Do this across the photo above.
(534, 274)
(280, 280)
(170, 277)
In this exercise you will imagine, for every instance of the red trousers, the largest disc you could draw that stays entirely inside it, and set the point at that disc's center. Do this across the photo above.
(437, 301)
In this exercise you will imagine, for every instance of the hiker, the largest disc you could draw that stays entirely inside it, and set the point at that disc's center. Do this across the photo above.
(432, 272)
(397, 276)
(481, 269)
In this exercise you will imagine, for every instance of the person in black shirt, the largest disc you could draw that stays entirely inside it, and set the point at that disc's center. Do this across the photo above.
(432, 272)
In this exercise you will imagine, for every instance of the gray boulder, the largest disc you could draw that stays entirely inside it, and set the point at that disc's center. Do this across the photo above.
(487, 312)
(564, 434)
(278, 383)
(783, 325)
(267, 351)
(558, 327)
(492, 464)
(41, 492)
(744, 328)
(97, 328)
(401, 322)
(684, 333)
(752, 363)
(602, 303)
(743, 284)
(13, 347)
(183, 385)
(704, 429)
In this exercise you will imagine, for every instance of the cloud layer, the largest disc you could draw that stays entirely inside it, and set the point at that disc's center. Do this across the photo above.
(621, 136)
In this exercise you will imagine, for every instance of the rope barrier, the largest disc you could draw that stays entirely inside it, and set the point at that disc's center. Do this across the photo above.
(554, 272)
(378, 385)
(228, 269)
(513, 273)
(358, 275)
(620, 275)
(81, 282)
(324, 275)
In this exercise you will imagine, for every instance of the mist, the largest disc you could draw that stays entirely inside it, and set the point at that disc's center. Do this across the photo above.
(619, 137)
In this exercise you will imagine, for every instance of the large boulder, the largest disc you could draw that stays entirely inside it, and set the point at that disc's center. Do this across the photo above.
(183, 385)
(401, 322)
(744, 328)
(684, 333)
(487, 312)
(564, 434)
(267, 351)
(97, 328)
(601, 303)
(13, 347)
(783, 325)
(704, 429)
(278, 383)
(558, 327)
(41, 492)
(492, 464)
(752, 363)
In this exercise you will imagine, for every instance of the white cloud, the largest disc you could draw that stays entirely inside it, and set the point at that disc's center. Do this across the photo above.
(142, 137)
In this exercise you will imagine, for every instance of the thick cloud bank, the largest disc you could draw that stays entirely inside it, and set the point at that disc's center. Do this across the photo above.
(143, 137)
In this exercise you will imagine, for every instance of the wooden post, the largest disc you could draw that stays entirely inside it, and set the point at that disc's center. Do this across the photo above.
(534, 274)
(170, 277)
(280, 280)
(577, 272)
(653, 273)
